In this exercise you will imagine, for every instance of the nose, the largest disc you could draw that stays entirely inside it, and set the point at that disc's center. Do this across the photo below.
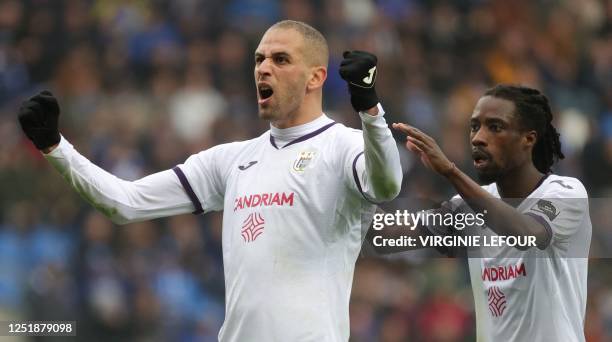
(263, 68)
(478, 138)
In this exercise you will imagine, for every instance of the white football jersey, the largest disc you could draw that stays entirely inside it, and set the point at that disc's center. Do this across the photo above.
(296, 207)
(536, 294)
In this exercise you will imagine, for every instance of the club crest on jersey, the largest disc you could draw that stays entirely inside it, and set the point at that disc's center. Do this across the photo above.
(547, 208)
(303, 160)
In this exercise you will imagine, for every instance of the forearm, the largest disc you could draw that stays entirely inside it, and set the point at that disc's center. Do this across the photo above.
(383, 172)
(157, 195)
(502, 218)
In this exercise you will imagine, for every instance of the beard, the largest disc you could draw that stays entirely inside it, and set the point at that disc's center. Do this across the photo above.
(269, 112)
(486, 178)
(489, 174)
(281, 107)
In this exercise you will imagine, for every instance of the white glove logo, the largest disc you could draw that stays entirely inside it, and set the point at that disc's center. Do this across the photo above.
(370, 77)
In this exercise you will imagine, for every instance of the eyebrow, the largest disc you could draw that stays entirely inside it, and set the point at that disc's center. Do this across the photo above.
(490, 121)
(503, 122)
(274, 54)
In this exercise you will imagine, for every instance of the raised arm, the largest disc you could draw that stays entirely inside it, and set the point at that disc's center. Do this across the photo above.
(154, 196)
(379, 168)
(502, 218)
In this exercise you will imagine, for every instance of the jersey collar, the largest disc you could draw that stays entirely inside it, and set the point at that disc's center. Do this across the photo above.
(284, 137)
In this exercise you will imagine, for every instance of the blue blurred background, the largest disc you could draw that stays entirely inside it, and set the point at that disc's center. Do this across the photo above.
(143, 84)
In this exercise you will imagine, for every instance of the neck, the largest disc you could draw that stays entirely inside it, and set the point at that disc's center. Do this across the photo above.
(520, 182)
(310, 109)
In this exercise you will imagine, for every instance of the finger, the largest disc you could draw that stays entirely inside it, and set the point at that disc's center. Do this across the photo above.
(410, 130)
(30, 108)
(416, 133)
(46, 104)
(401, 127)
(345, 67)
(420, 144)
(28, 118)
(28, 104)
(47, 100)
(366, 55)
(343, 73)
(413, 131)
(413, 148)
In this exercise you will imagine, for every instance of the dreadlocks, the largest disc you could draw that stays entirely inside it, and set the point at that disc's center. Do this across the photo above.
(534, 112)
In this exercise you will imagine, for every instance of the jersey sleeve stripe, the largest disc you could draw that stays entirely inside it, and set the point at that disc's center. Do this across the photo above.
(356, 178)
(543, 222)
(192, 196)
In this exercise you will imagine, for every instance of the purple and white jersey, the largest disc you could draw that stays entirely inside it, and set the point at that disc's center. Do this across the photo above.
(293, 202)
(536, 294)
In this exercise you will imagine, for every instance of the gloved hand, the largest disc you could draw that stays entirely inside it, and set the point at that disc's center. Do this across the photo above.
(359, 69)
(38, 117)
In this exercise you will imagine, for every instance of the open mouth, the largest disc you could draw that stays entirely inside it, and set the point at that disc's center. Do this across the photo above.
(480, 163)
(265, 92)
(481, 158)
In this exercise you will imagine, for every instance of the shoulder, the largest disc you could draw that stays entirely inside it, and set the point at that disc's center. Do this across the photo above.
(235, 147)
(564, 187)
(490, 188)
(343, 131)
(223, 155)
(457, 201)
(346, 136)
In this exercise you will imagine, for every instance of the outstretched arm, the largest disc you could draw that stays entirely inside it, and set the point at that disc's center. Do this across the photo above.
(154, 196)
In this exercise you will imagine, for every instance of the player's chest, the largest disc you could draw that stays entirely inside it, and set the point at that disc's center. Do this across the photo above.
(269, 175)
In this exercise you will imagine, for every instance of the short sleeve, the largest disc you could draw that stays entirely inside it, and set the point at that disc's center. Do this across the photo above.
(203, 179)
(561, 208)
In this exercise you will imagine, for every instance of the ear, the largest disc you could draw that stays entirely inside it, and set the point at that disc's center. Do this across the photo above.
(530, 139)
(318, 75)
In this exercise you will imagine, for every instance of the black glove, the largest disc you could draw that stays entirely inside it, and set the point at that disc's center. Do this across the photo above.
(359, 69)
(38, 117)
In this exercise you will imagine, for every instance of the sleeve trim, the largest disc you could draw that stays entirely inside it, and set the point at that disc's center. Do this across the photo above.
(190, 193)
(543, 222)
(356, 178)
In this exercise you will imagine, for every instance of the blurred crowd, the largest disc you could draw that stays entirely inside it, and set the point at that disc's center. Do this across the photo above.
(144, 84)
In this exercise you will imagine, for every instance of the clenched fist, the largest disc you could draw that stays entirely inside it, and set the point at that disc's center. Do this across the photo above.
(358, 69)
(38, 117)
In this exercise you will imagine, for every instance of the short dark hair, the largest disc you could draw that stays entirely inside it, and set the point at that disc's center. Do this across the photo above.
(534, 113)
(315, 43)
